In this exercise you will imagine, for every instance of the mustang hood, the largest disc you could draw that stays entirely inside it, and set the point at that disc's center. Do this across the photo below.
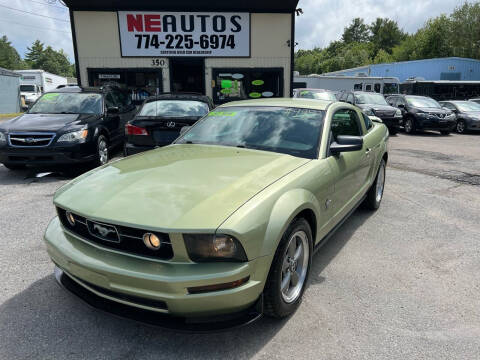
(192, 187)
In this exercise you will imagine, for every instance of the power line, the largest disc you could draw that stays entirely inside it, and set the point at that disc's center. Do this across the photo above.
(31, 13)
(38, 27)
(48, 4)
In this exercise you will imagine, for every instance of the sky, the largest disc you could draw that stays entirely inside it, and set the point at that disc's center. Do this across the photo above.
(322, 20)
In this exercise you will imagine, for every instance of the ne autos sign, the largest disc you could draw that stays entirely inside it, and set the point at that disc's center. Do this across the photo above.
(184, 34)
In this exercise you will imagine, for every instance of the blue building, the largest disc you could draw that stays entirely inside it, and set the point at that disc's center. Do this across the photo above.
(450, 68)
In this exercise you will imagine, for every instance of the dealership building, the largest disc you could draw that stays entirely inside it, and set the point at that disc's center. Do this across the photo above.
(228, 50)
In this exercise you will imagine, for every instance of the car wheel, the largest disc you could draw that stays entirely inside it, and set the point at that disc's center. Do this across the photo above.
(445, 132)
(460, 127)
(14, 167)
(375, 194)
(102, 150)
(409, 126)
(289, 271)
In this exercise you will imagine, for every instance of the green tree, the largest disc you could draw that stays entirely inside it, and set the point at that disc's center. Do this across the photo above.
(357, 31)
(9, 57)
(34, 53)
(385, 35)
(55, 62)
(383, 57)
(434, 39)
(465, 30)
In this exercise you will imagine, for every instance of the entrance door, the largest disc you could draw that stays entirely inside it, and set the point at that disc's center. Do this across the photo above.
(187, 75)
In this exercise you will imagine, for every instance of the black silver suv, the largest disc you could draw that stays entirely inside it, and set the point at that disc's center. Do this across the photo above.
(374, 104)
(423, 113)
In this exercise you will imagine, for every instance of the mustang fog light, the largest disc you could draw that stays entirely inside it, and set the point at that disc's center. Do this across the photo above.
(70, 218)
(152, 241)
(217, 287)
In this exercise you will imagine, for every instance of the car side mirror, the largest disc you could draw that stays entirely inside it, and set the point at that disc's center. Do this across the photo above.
(346, 143)
(401, 106)
(184, 129)
(113, 110)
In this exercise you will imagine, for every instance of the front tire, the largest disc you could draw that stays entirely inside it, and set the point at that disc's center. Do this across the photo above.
(375, 194)
(409, 126)
(289, 271)
(460, 127)
(102, 151)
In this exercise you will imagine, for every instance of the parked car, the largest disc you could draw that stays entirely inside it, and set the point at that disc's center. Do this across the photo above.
(160, 119)
(226, 219)
(423, 113)
(317, 94)
(68, 126)
(375, 105)
(476, 100)
(467, 113)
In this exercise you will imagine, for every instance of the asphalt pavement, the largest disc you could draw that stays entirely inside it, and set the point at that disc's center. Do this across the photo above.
(400, 283)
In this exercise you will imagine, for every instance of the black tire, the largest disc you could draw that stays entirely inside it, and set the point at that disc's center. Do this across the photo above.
(393, 130)
(445, 132)
(102, 154)
(14, 167)
(373, 199)
(409, 125)
(275, 304)
(460, 127)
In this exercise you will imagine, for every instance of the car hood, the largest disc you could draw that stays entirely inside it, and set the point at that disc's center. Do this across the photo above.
(376, 107)
(433, 110)
(46, 122)
(192, 187)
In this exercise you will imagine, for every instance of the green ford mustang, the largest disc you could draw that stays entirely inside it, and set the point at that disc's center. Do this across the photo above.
(229, 214)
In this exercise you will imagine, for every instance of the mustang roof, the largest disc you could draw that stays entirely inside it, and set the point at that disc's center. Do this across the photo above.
(283, 102)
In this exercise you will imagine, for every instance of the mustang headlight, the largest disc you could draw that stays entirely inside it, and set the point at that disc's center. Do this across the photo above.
(74, 136)
(209, 247)
(3, 139)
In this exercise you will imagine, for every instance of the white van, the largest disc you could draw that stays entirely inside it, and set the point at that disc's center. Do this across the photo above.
(34, 83)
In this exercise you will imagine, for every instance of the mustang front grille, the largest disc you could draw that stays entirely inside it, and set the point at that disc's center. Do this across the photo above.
(29, 140)
(121, 238)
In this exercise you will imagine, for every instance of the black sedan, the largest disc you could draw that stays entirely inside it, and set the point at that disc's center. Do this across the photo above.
(67, 126)
(160, 119)
(468, 114)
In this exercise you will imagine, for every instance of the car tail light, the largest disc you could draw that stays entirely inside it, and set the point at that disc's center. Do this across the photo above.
(135, 130)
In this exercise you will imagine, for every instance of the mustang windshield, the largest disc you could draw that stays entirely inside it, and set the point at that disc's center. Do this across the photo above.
(68, 103)
(174, 108)
(293, 131)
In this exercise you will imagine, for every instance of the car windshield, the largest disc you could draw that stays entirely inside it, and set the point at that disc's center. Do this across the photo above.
(68, 103)
(318, 95)
(27, 88)
(422, 102)
(174, 108)
(468, 106)
(376, 99)
(293, 131)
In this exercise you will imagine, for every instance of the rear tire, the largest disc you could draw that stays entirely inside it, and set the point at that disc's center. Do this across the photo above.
(14, 167)
(290, 267)
(375, 194)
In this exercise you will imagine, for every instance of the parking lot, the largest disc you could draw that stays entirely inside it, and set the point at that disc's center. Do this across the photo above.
(401, 283)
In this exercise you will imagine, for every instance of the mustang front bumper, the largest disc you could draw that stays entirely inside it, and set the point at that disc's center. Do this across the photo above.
(159, 286)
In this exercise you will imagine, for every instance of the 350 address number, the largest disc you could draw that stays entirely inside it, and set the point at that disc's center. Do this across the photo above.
(186, 41)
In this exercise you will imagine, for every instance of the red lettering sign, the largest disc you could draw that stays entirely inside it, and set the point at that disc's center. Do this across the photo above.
(152, 23)
(134, 22)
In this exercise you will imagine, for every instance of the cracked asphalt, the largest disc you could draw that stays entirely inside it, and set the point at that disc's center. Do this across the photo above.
(400, 283)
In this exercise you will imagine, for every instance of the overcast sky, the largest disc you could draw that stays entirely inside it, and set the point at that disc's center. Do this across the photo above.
(321, 22)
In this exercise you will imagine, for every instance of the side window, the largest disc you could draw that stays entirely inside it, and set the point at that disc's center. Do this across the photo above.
(392, 101)
(449, 106)
(377, 87)
(345, 122)
(400, 101)
(368, 122)
(357, 87)
(368, 87)
(109, 100)
(350, 98)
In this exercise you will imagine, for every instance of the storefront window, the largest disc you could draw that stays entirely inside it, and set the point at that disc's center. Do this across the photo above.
(138, 83)
(240, 84)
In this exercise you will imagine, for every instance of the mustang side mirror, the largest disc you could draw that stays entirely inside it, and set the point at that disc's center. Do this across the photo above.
(184, 129)
(346, 143)
(113, 110)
